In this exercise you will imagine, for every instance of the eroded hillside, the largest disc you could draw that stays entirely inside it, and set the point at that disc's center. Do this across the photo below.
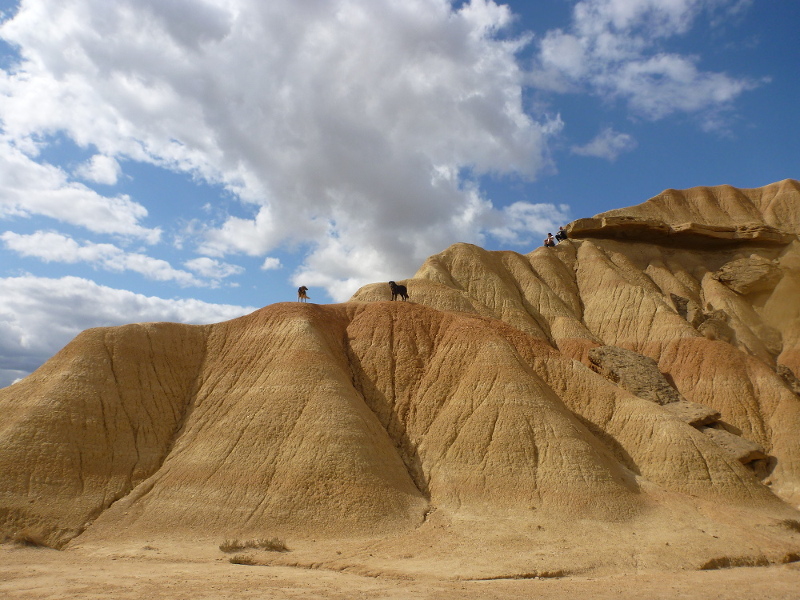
(639, 377)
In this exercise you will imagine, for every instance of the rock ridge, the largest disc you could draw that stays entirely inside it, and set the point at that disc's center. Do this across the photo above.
(692, 235)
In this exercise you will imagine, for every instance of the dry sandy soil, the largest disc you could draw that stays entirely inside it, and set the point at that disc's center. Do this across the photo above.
(149, 572)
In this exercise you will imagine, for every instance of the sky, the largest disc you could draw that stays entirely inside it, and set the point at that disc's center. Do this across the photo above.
(195, 160)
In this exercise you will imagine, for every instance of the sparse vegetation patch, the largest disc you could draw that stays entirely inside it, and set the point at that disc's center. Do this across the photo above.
(792, 524)
(268, 544)
(791, 557)
(728, 562)
(27, 539)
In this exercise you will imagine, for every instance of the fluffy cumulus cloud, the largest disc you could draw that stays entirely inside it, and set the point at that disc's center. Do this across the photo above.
(30, 188)
(355, 134)
(351, 128)
(100, 169)
(608, 144)
(271, 263)
(55, 247)
(614, 49)
(211, 268)
(38, 316)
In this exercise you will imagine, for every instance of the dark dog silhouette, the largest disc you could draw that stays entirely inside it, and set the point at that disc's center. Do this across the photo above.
(398, 290)
(301, 294)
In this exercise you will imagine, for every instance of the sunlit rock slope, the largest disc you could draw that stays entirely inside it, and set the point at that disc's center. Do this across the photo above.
(639, 377)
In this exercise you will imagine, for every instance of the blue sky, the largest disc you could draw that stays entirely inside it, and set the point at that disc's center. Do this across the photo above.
(192, 160)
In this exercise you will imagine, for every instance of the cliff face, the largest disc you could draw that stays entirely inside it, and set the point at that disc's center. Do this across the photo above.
(634, 377)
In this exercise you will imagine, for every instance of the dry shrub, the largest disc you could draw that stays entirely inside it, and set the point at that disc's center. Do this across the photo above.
(792, 524)
(272, 545)
(729, 562)
(231, 546)
(242, 559)
(28, 539)
(790, 557)
(269, 544)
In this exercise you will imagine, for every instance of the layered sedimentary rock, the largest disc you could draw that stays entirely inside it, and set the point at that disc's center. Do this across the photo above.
(620, 379)
(721, 320)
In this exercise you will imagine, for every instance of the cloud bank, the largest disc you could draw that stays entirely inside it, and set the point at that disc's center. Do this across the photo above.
(354, 128)
(40, 315)
(354, 133)
(357, 130)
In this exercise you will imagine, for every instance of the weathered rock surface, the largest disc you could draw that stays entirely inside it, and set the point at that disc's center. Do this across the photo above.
(748, 275)
(467, 419)
(693, 413)
(665, 296)
(743, 450)
(723, 208)
(691, 235)
(634, 372)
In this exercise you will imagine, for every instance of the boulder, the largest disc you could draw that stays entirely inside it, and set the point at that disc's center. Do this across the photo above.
(749, 275)
(633, 372)
(740, 448)
(696, 415)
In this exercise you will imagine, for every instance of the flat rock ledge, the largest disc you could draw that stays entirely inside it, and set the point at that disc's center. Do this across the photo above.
(653, 231)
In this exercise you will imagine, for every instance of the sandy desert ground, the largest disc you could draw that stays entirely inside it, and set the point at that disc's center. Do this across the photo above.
(38, 573)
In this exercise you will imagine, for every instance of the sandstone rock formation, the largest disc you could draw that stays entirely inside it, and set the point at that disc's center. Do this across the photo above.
(637, 378)
(639, 375)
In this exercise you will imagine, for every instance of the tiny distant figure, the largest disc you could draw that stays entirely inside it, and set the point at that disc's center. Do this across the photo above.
(549, 240)
(301, 294)
(561, 235)
(398, 290)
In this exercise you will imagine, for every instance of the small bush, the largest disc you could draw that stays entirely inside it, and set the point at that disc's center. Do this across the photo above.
(728, 562)
(231, 546)
(271, 545)
(791, 557)
(28, 539)
(792, 524)
(242, 559)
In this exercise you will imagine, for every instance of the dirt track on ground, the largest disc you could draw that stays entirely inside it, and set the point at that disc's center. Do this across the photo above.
(31, 573)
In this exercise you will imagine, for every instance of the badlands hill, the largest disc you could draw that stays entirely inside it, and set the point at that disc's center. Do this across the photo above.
(628, 399)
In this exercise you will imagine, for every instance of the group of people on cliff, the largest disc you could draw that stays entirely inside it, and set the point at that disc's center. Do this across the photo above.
(552, 240)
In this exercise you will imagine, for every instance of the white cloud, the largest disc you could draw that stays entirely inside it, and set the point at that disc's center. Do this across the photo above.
(38, 316)
(613, 49)
(55, 247)
(660, 85)
(271, 263)
(100, 169)
(608, 144)
(248, 236)
(29, 188)
(211, 268)
(565, 53)
(331, 119)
